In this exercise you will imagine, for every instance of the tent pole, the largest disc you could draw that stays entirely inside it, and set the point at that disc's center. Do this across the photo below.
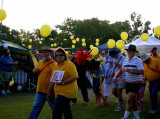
(1, 21)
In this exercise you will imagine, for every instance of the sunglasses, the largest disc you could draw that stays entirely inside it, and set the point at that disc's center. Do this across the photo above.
(59, 55)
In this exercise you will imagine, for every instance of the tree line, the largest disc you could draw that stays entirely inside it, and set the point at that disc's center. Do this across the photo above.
(89, 29)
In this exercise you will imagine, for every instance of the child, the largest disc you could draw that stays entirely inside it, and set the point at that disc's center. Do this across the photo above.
(107, 83)
(97, 72)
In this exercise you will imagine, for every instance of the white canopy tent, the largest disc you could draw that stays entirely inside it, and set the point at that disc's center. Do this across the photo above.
(146, 46)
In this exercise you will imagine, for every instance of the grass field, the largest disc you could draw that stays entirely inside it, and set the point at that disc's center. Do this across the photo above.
(19, 105)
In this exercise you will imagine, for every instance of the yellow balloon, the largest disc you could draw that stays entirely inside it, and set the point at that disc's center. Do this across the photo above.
(52, 45)
(71, 37)
(3, 15)
(77, 39)
(157, 31)
(137, 48)
(73, 46)
(45, 30)
(40, 42)
(74, 41)
(144, 36)
(30, 40)
(111, 43)
(120, 44)
(97, 44)
(83, 40)
(67, 52)
(84, 44)
(22, 39)
(94, 51)
(29, 46)
(91, 46)
(97, 40)
(124, 35)
(55, 44)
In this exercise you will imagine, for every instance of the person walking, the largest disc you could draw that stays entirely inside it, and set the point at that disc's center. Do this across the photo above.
(43, 70)
(133, 69)
(152, 74)
(118, 85)
(64, 87)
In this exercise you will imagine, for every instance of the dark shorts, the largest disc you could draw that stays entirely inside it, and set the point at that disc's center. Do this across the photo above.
(133, 87)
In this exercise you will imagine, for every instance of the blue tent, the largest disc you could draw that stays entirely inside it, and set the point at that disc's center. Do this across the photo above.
(104, 47)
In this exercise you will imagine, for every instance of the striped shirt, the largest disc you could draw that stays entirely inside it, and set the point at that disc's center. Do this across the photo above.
(134, 64)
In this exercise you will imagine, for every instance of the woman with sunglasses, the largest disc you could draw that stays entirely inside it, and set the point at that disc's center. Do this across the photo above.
(63, 90)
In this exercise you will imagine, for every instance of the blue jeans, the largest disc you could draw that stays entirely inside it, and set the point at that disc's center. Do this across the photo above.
(153, 89)
(62, 105)
(96, 84)
(40, 100)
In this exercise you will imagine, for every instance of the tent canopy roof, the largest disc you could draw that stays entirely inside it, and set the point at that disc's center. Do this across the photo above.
(12, 46)
(151, 42)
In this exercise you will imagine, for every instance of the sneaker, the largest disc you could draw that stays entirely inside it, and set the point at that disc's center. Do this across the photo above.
(117, 109)
(152, 111)
(8, 92)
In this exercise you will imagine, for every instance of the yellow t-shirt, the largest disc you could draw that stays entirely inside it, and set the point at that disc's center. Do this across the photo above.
(68, 90)
(149, 74)
(157, 57)
(45, 76)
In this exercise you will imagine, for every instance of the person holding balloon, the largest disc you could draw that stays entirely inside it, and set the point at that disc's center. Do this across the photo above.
(43, 71)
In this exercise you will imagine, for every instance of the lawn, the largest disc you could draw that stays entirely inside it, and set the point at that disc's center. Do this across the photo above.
(19, 105)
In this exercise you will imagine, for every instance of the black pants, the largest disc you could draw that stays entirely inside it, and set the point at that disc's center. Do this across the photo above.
(62, 105)
(82, 84)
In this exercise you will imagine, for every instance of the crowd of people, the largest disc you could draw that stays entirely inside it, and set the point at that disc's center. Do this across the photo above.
(114, 71)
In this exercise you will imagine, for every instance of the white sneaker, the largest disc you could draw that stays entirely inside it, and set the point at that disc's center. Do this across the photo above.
(8, 92)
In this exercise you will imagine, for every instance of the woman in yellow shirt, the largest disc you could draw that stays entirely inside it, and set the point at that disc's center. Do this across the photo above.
(65, 88)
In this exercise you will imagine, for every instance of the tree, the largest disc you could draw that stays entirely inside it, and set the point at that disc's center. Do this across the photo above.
(90, 29)
(137, 26)
(122, 26)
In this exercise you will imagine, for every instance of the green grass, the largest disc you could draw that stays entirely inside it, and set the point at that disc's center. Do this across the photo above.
(19, 105)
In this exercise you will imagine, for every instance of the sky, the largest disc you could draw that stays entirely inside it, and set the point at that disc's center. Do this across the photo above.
(32, 14)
